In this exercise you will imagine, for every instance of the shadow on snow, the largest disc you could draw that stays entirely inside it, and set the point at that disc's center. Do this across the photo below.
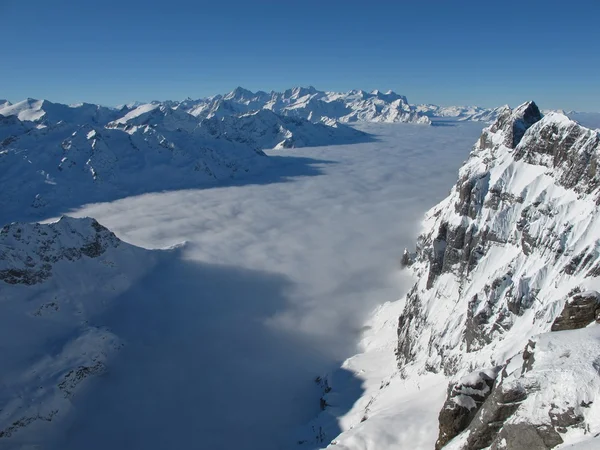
(277, 169)
(202, 369)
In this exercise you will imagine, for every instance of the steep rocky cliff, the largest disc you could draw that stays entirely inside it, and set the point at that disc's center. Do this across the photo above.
(507, 272)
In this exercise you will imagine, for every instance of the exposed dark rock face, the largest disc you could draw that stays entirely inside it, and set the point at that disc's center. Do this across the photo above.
(515, 123)
(409, 324)
(579, 311)
(464, 400)
(28, 251)
(520, 436)
(407, 258)
(489, 420)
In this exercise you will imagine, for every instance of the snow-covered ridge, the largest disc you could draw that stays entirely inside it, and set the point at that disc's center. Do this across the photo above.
(54, 279)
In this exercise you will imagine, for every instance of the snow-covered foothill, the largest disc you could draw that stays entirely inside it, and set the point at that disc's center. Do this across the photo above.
(55, 279)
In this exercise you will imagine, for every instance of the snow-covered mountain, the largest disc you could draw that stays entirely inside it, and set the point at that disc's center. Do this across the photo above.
(53, 157)
(504, 308)
(47, 169)
(311, 104)
(265, 129)
(46, 112)
(54, 280)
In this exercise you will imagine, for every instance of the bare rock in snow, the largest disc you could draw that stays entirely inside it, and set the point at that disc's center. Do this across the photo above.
(464, 400)
(579, 311)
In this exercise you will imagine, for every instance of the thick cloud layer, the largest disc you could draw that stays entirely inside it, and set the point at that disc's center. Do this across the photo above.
(300, 264)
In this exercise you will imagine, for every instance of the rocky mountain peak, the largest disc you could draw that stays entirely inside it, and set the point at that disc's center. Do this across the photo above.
(514, 123)
(510, 260)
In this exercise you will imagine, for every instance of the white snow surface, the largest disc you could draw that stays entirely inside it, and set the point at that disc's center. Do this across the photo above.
(225, 335)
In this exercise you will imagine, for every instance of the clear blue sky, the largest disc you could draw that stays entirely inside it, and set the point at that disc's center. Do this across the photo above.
(446, 52)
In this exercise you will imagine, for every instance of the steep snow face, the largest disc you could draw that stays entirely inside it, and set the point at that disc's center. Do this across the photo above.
(309, 103)
(266, 130)
(54, 280)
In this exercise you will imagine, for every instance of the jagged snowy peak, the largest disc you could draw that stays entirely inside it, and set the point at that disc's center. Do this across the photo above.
(46, 112)
(54, 280)
(248, 98)
(309, 103)
(516, 238)
(61, 166)
(219, 107)
(264, 129)
(460, 113)
(154, 115)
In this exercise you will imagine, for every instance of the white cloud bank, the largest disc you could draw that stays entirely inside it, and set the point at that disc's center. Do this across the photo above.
(290, 271)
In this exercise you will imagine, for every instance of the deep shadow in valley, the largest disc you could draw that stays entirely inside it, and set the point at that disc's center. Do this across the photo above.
(277, 169)
(201, 368)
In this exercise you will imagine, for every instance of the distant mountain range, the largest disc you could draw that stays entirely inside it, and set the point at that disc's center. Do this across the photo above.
(54, 155)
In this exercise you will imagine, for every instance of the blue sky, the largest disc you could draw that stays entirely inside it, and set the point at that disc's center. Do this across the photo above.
(444, 52)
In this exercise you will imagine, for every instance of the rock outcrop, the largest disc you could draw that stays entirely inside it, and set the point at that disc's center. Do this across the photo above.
(580, 310)
(28, 252)
(464, 400)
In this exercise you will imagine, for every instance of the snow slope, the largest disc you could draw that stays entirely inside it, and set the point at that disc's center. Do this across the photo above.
(513, 245)
(46, 112)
